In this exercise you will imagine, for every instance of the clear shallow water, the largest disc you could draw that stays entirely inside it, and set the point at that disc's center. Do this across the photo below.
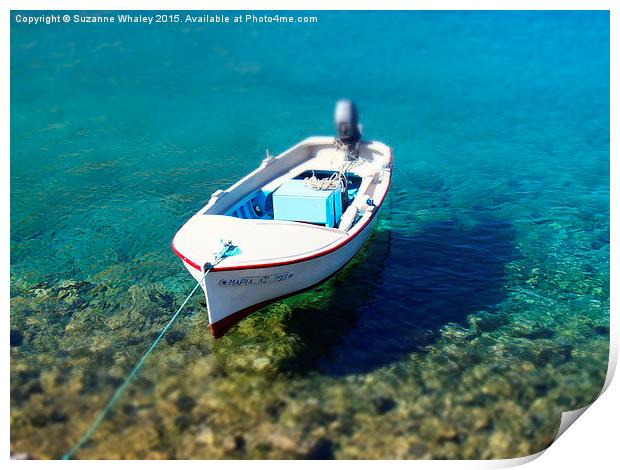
(478, 312)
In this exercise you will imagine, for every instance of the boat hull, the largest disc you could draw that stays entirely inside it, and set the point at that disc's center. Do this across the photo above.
(233, 294)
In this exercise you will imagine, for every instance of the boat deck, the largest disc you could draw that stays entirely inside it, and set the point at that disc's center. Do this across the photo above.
(256, 240)
(242, 214)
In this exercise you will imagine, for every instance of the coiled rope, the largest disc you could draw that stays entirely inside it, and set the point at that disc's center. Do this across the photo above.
(331, 182)
(227, 249)
(335, 180)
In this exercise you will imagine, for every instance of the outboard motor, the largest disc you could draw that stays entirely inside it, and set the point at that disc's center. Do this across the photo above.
(348, 138)
(346, 117)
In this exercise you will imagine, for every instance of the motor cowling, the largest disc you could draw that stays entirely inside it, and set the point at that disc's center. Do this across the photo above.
(346, 118)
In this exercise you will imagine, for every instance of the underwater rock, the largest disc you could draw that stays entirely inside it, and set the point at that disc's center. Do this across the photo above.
(536, 331)
(162, 299)
(555, 355)
(455, 333)
(417, 449)
(206, 437)
(174, 336)
(486, 322)
(449, 434)
(480, 419)
(481, 399)
(383, 405)
(497, 386)
(39, 420)
(597, 245)
(182, 422)
(84, 322)
(261, 363)
(323, 449)
(602, 330)
(275, 409)
(283, 442)
(239, 443)
(58, 416)
(16, 338)
(499, 444)
(26, 390)
(42, 290)
(72, 292)
(421, 337)
(68, 284)
(564, 352)
(185, 404)
(541, 388)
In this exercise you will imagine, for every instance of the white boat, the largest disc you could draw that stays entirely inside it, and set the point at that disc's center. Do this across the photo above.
(294, 222)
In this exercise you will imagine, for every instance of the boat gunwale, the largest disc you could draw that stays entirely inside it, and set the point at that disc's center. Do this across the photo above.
(324, 252)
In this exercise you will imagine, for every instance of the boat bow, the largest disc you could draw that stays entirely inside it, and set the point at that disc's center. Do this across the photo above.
(258, 242)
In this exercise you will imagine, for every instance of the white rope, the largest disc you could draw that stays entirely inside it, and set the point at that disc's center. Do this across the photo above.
(335, 180)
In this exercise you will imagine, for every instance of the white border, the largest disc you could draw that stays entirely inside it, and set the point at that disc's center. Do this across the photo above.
(592, 442)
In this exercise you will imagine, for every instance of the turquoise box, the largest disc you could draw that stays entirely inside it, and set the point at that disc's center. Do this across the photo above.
(294, 200)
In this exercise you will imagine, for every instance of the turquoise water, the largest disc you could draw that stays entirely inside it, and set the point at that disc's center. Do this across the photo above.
(477, 313)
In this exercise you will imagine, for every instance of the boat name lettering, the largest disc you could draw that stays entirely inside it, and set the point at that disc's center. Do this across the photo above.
(255, 280)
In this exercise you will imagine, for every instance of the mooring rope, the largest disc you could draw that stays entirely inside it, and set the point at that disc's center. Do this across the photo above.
(119, 391)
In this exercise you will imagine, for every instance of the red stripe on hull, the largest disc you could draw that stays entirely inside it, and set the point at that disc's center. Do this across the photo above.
(185, 258)
(220, 328)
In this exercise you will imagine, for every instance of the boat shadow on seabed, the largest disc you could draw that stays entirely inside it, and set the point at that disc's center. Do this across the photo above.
(398, 293)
